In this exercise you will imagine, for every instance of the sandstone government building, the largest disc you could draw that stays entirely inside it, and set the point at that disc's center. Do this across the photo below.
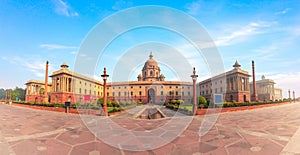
(150, 87)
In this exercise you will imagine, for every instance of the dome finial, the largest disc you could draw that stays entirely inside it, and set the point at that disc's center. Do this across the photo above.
(150, 56)
(64, 65)
(236, 65)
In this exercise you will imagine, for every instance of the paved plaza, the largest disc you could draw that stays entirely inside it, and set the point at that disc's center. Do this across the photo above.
(269, 130)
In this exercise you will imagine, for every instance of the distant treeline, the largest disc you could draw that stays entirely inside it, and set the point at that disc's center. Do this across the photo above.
(17, 93)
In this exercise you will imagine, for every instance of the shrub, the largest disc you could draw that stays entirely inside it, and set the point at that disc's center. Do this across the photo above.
(140, 103)
(101, 101)
(116, 103)
(180, 102)
(201, 100)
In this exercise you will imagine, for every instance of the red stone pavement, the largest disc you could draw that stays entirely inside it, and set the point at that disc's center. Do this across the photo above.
(268, 130)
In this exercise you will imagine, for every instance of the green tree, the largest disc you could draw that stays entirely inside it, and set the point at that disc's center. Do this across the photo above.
(202, 102)
(101, 101)
(21, 92)
(42, 91)
(15, 95)
(2, 93)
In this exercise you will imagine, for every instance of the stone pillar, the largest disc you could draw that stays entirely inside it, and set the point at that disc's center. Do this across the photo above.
(62, 84)
(54, 85)
(254, 95)
(66, 82)
(46, 84)
(194, 78)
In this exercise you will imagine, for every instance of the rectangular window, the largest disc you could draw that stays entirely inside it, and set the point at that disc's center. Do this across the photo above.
(140, 92)
(161, 93)
(131, 93)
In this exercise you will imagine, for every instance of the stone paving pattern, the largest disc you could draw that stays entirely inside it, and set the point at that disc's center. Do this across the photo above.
(259, 131)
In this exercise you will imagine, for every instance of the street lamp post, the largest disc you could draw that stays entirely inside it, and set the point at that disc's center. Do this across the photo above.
(194, 77)
(104, 77)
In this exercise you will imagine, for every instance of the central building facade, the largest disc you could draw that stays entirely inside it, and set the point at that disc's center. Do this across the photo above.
(150, 87)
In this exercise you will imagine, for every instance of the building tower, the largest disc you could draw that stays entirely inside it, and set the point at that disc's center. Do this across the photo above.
(151, 71)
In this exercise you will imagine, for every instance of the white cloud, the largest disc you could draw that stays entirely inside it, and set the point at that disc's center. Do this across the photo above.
(62, 8)
(282, 12)
(36, 67)
(56, 46)
(121, 4)
(240, 34)
(74, 52)
(193, 8)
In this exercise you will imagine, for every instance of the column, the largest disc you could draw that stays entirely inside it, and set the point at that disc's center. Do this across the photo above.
(54, 84)
(30, 91)
(66, 82)
(62, 83)
(70, 84)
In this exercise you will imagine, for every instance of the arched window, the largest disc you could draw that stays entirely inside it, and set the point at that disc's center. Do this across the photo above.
(151, 73)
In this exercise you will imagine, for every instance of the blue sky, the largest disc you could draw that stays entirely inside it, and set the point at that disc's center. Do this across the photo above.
(268, 32)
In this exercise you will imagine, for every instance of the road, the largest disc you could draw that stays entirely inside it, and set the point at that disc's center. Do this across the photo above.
(270, 130)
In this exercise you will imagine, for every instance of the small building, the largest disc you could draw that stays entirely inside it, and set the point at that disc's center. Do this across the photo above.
(266, 91)
(233, 85)
(35, 90)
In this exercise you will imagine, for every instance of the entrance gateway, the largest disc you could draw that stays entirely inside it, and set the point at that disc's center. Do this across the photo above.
(151, 96)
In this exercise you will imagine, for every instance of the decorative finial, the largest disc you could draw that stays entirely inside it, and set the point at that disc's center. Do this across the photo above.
(236, 65)
(194, 71)
(194, 76)
(150, 56)
(64, 65)
(104, 70)
(47, 62)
